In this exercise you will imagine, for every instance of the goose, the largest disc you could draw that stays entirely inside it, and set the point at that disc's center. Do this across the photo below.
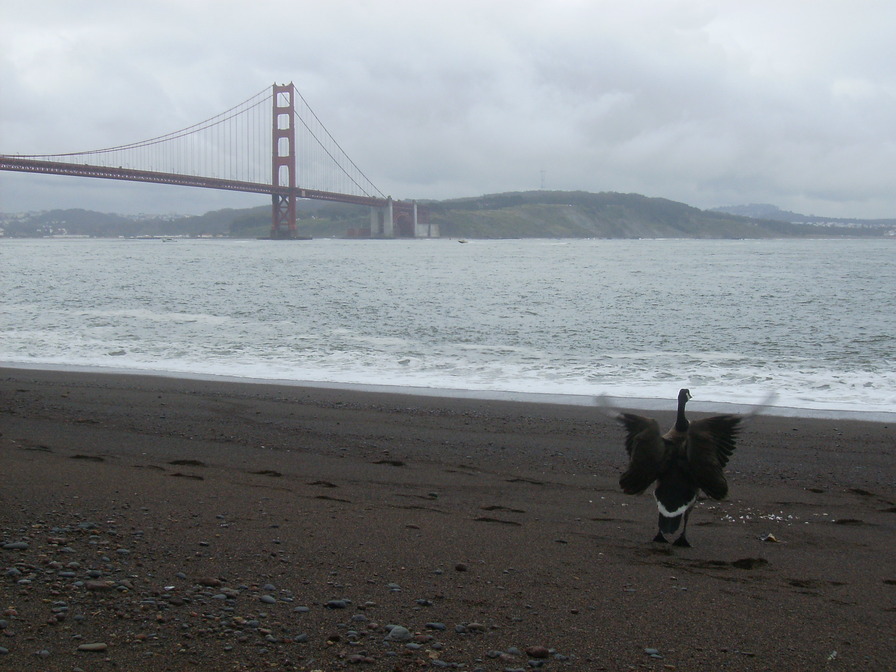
(688, 458)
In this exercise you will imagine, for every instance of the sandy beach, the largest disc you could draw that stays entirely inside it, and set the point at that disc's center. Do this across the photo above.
(151, 523)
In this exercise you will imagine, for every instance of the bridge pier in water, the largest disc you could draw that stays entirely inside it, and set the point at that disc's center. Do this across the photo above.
(401, 219)
(382, 221)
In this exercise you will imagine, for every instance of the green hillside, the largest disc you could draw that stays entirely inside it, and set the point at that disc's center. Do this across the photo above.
(530, 214)
(578, 214)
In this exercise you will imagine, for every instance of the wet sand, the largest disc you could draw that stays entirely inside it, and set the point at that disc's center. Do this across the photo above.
(164, 524)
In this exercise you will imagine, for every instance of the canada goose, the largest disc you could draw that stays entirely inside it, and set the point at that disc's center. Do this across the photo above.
(688, 458)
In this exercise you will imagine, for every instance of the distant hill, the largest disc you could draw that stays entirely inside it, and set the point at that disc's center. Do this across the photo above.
(530, 214)
(767, 211)
(578, 214)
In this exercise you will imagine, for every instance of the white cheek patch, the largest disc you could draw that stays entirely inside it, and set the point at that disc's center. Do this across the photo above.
(677, 512)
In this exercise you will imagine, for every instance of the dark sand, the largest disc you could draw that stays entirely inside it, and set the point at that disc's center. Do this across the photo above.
(179, 524)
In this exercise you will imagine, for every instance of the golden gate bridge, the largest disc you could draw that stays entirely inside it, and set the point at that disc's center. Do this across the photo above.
(252, 147)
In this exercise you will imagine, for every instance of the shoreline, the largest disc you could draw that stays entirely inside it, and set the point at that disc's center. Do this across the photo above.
(169, 524)
(765, 407)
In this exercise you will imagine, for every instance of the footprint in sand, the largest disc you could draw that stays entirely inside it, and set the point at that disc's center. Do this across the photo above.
(487, 519)
(333, 499)
(193, 476)
(267, 472)
(498, 507)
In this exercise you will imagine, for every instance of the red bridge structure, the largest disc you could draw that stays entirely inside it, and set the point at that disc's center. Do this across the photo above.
(229, 151)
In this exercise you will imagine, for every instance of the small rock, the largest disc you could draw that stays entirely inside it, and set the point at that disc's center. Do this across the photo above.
(399, 633)
(99, 585)
(268, 599)
(537, 651)
(15, 546)
(357, 658)
(96, 646)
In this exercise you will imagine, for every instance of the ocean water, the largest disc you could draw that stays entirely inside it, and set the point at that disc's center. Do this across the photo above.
(812, 321)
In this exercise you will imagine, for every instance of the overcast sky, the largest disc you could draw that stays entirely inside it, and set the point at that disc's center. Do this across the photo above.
(706, 102)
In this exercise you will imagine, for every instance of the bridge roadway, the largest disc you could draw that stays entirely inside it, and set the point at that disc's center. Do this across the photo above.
(14, 163)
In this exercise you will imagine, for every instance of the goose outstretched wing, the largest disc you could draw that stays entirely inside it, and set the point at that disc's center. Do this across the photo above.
(647, 452)
(710, 442)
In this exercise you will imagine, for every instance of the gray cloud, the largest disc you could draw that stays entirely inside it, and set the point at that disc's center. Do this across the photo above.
(709, 103)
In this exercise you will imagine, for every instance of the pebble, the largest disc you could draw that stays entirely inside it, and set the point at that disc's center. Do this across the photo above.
(96, 646)
(15, 546)
(99, 585)
(537, 651)
(268, 599)
(357, 658)
(398, 633)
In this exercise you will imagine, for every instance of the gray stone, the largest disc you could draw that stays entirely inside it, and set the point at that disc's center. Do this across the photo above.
(95, 646)
(399, 633)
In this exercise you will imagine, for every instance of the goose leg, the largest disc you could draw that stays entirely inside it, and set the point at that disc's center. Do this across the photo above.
(682, 540)
(659, 538)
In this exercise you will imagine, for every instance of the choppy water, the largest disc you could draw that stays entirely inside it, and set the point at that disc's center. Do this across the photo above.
(813, 320)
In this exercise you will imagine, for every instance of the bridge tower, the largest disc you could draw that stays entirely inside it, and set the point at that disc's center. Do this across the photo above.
(283, 163)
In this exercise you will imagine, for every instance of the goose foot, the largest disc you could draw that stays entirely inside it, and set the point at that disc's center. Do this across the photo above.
(681, 541)
(660, 539)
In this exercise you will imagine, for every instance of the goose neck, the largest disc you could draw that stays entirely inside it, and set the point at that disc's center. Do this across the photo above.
(681, 421)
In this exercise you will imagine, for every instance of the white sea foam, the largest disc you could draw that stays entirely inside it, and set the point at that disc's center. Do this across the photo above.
(811, 320)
